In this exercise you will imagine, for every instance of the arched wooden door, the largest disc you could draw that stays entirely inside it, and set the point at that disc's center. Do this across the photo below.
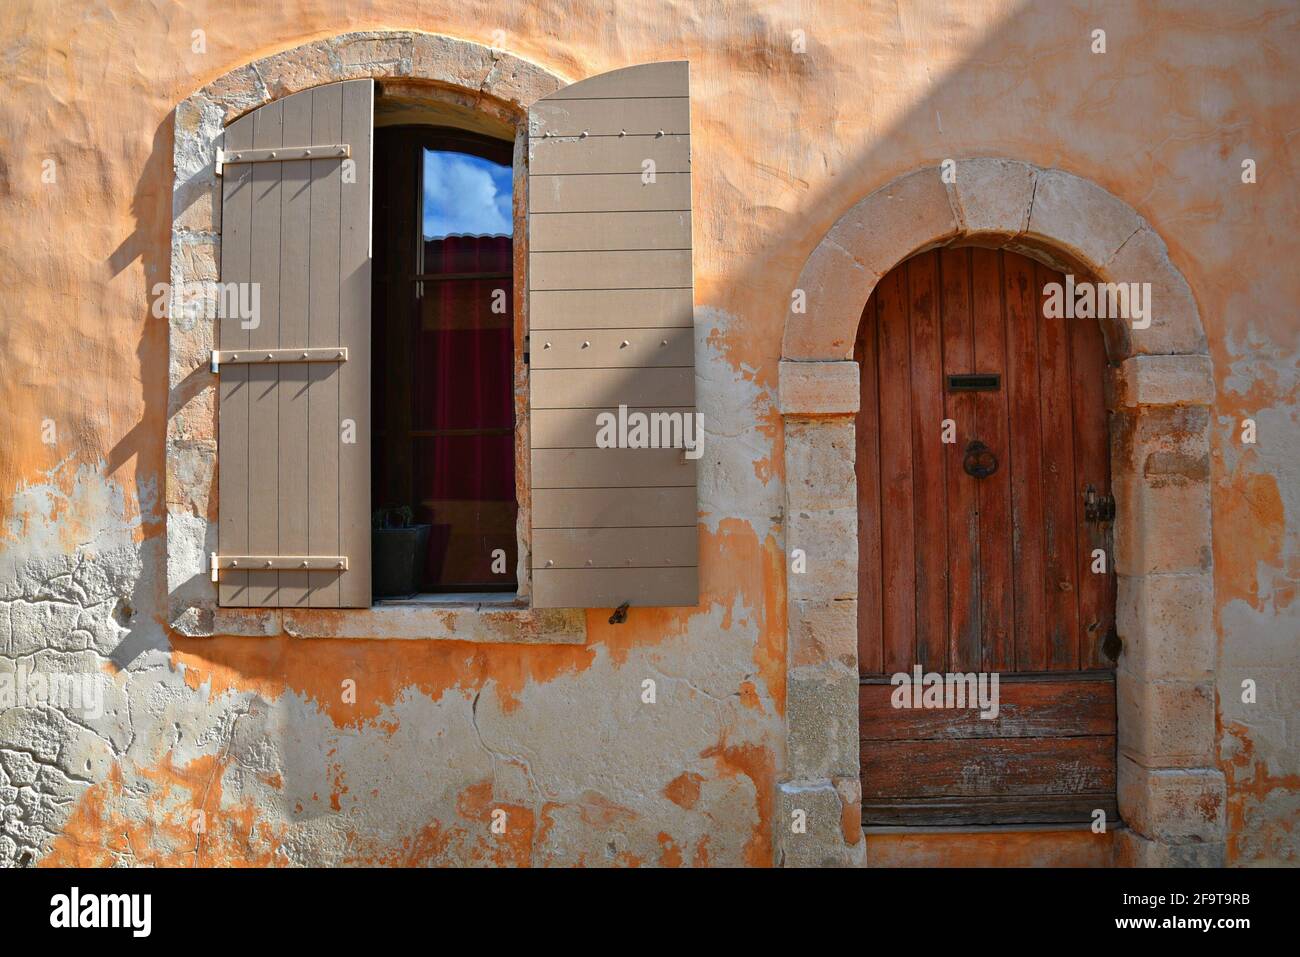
(977, 554)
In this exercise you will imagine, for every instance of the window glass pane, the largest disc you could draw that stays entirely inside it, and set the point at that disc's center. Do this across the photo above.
(465, 195)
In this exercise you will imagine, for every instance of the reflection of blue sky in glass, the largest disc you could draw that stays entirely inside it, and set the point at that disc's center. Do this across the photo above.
(465, 194)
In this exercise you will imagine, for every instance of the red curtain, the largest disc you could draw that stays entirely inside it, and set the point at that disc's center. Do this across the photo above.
(463, 389)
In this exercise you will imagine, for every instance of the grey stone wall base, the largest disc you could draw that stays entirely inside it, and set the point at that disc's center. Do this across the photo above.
(827, 809)
(1134, 850)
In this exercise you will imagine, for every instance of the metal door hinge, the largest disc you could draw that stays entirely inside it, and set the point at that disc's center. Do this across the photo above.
(282, 154)
(1098, 508)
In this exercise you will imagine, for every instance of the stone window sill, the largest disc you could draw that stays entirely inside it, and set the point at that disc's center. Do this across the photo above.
(477, 617)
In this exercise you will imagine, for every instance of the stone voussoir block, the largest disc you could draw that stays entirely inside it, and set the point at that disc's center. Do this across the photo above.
(1174, 323)
(992, 196)
(832, 289)
(291, 71)
(1079, 216)
(912, 213)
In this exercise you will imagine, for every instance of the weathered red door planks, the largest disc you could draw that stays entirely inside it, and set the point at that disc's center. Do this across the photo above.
(963, 573)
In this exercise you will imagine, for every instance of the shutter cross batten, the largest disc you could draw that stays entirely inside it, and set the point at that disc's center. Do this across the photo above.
(281, 154)
(253, 563)
(251, 356)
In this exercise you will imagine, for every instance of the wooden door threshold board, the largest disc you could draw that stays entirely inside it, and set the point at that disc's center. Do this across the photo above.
(999, 845)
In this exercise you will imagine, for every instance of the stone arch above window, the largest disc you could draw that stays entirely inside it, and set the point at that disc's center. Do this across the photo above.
(459, 77)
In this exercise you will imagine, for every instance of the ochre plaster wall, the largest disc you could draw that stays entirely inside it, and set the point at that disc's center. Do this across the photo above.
(254, 732)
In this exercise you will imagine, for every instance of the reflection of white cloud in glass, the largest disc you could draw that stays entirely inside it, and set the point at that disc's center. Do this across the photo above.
(465, 194)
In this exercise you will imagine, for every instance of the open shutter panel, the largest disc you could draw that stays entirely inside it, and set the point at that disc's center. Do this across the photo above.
(294, 417)
(611, 323)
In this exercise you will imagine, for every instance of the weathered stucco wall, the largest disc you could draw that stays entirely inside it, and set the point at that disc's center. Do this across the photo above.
(257, 733)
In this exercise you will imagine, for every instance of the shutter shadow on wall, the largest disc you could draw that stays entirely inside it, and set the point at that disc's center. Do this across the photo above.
(294, 490)
(611, 324)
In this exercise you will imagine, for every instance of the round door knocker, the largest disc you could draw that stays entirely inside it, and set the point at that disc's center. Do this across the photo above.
(979, 461)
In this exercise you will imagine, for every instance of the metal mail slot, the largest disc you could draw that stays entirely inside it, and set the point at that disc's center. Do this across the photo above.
(975, 382)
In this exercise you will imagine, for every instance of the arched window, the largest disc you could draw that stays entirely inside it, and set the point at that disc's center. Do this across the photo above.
(381, 431)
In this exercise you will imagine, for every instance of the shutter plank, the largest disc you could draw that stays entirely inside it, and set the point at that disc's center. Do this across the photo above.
(612, 468)
(616, 116)
(609, 154)
(577, 428)
(295, 221)
(610, 587)
(668, 78)
(263, 380)
(354, 322)
(670, 229)
(608, 388)
(614, 349)
(232, 435)
(611, 269)
(611, 309)
(608, 193)
(325, 329)
(613, 507)
(616, 547)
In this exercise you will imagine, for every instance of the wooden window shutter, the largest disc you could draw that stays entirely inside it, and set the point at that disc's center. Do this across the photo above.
(293, 447)
(611, 324)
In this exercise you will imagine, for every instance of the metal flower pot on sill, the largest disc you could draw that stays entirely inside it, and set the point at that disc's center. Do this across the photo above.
(398, 560)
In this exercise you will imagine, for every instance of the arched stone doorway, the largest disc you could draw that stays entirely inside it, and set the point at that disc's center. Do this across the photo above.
(1171, 796)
